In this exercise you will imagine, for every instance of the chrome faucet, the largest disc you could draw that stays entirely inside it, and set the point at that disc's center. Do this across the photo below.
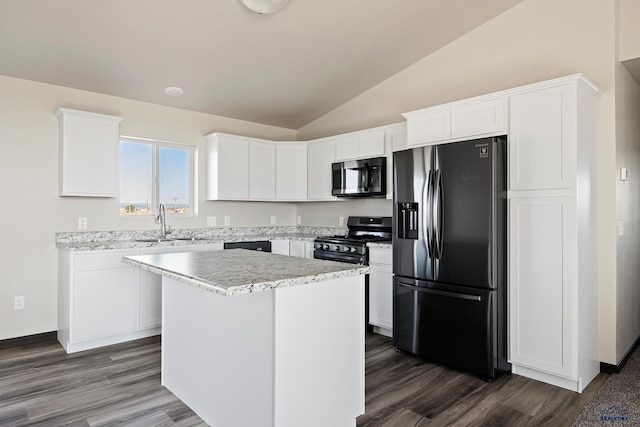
(161, 218)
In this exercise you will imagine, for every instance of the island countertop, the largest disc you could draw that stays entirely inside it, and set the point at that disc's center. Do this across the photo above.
(240, 271)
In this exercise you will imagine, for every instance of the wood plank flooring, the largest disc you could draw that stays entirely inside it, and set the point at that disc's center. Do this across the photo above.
(40, 385)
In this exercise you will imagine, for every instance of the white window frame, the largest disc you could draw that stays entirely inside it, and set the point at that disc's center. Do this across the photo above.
(155, 160)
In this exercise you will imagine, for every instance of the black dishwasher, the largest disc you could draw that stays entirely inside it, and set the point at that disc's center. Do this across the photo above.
(259, 245)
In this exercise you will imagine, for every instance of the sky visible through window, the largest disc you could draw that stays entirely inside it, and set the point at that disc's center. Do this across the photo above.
(136, 178)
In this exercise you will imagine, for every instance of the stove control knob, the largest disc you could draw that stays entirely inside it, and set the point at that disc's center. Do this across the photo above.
(336, 248)
(326, 247)
(347, 249)
(354, 249)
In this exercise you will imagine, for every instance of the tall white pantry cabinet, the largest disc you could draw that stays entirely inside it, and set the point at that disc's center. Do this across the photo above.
(553, 217)
(553, 244)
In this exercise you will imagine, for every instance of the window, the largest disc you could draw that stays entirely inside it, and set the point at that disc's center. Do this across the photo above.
(154, 172)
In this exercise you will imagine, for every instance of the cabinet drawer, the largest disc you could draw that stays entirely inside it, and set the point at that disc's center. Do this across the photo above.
(380, 256)
(101, 260)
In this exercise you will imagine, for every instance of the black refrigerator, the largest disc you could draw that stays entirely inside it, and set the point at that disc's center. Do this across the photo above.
(449, 254)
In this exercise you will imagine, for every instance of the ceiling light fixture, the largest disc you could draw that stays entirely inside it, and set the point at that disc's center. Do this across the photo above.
(173, 91)
(265, 7)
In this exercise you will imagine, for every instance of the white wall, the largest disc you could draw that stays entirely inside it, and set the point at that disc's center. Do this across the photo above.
(32, 212)
(628, 210)
(534, 41)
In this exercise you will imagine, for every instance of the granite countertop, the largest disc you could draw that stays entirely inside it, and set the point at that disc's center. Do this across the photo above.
(131, 242)
(239, 271)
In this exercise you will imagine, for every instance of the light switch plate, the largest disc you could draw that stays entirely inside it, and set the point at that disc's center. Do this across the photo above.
(227, 220)
(82, 223)
(211, 221)
(341, 221)
(273, 220)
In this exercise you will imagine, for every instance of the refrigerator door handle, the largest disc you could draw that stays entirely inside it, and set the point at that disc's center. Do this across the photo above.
(428, 212)
(438, 214)
(441, 293)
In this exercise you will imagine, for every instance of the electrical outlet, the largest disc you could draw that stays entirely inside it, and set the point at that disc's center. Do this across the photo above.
(273, 220)
(227, 220)
(341, 221)
(18, 303)
(211, 221)
(298, 220)
(82, 223)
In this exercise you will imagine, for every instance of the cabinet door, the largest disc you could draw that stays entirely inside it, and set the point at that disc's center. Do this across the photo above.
(104, 303)
(542, 139)
(296, 248)
(371, 144)
(542, 260)
(428, 127)
(347, 147)
(89, 146)
(280, 247)
(227, 167)
(320, 156)
(381, 288)
(291, 171)
(308, 250)
(262, 170)
(481, 118)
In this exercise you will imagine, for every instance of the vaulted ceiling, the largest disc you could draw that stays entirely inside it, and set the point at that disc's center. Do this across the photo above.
(285, 69)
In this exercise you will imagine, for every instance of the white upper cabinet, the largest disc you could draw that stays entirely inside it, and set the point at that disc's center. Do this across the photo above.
(320, 155)
(262, 170)
(542, 139)
(468, 119)
(360, 145)
(479, 118)
(88, 153)
(424, 127)
(291, 171)
(227, 167)
(240, 168)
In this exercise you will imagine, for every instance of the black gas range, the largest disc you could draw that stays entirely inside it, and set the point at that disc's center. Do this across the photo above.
(352, 248)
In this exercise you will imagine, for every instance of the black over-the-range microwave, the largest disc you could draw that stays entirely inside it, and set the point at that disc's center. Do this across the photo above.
(359, 178)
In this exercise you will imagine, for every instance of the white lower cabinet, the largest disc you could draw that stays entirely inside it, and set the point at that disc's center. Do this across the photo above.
(102, 301)
(542, 275)
(381, 290)
(301, 248)
(280, 247)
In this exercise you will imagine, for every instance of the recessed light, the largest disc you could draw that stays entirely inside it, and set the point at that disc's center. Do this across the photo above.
(173, 91)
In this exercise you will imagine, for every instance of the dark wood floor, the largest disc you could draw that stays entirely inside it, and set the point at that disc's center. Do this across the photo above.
(40, 385)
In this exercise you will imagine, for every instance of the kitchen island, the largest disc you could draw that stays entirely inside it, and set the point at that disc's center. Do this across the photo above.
(259, 339)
